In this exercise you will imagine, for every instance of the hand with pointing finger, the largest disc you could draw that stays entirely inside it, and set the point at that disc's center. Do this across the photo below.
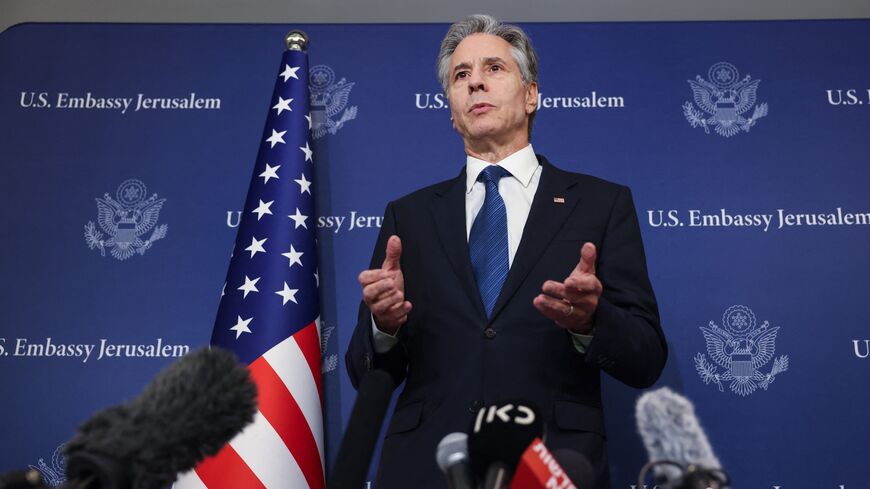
(571, 304)
(384, 290)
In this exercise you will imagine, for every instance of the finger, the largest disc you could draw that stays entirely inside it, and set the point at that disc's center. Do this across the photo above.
(396, 313)
(553, 288)
(557, 311)
(575, 289)
(403, 318)
(380, 288)
(588, 255)
(576, 286)
(381, 307)
(552, 308)
(394, 253)
(400, 310)
(367, 277)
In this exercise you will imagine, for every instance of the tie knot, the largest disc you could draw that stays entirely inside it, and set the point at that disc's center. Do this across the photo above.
(492, 173)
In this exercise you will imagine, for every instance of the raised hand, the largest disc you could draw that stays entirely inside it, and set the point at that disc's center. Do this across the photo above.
(384, 290)
(571, 304)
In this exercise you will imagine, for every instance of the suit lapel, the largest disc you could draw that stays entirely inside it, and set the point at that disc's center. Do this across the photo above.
(448, 211)
(555, 199)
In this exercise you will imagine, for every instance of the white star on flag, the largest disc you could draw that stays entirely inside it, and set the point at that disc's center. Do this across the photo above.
(249, 286)
(294, 256)
(304, 185)
(256, 246)
(276, 137)
(288, 294)
(289, 72)
(263, 208)
(282, 105)
(270, 172)
(298, 219)
(241, 326)
(305, 149)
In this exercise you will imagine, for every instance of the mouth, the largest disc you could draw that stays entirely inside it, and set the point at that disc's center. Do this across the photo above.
(480, 108)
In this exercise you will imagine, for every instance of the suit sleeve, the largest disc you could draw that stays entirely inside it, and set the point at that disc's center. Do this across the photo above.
(361, 356)
(628, 341)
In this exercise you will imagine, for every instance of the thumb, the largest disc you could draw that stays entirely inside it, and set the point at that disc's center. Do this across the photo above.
(588, 255)
(394, 252)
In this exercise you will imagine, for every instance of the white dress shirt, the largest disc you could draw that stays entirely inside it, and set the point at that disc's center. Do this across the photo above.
(518, 191)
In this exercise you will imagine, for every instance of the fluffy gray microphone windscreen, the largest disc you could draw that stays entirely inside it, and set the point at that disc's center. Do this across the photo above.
(189, 411)
(671, 431)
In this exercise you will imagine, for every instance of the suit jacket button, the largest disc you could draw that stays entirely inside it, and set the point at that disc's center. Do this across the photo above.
(475, 407)
(489, 333)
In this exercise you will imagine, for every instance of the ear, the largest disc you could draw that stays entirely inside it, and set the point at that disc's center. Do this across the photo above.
(450, 108)
(531, 97)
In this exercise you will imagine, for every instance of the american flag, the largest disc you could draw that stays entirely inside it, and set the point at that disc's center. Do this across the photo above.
(269, 308)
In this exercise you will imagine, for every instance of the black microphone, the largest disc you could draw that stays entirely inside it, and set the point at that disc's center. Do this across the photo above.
(680, 454)
(363, 428)
(452, 458)
(578, 468)
(189, 411)
(22, 479)
(499, 435)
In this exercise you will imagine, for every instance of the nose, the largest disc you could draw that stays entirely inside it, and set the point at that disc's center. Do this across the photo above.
(476, 81)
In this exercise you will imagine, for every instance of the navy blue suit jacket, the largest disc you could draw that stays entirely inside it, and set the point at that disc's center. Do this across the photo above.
(453, 359)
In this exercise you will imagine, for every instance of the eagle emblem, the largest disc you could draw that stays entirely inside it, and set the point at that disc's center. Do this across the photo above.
(329, 362)
(328, 100)
(741, 348)
(125, 220)
(723, 100)
(53, 472)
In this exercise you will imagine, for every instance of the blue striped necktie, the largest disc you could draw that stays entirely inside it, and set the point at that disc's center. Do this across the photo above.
(488, 241)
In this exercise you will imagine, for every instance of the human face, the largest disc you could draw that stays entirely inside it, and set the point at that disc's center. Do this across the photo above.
(489, 103)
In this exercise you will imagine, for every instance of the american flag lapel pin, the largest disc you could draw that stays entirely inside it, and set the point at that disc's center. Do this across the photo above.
(558, 200)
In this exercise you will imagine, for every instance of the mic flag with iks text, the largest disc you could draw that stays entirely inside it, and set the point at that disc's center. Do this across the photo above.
(269, 308)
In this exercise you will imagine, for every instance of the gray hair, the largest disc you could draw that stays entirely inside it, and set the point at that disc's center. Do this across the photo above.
(521, 47)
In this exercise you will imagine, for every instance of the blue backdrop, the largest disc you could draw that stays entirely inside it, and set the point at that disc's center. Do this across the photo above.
(745, 144)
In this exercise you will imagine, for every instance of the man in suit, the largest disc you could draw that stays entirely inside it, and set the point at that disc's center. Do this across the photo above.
(514, 280)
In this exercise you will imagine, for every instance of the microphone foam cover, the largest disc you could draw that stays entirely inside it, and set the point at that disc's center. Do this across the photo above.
(452, 448)
(190, 410)
(670, 430)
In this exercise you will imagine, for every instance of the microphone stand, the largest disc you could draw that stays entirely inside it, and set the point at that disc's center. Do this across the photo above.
(694, 476)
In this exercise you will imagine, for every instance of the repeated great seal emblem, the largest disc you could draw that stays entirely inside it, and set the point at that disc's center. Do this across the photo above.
(742, 348)
(328, 99)
(125, 220)
(723, 100)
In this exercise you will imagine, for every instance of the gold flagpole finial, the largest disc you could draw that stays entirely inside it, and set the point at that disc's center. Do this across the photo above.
(296, 40)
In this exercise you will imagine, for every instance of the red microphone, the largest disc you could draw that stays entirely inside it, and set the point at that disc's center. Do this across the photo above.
(538, 469)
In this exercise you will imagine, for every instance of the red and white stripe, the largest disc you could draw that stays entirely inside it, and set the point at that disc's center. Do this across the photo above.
(283, 447)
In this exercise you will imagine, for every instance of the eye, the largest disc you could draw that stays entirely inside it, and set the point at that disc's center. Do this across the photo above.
(496, 68)
(461, 74)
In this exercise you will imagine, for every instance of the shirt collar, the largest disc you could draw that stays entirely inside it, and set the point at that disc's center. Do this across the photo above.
(522, 165)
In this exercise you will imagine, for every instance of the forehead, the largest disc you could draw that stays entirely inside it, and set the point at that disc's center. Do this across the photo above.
(479, 46)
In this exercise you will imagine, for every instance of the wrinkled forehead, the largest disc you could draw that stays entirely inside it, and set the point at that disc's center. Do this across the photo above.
(481, 48)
